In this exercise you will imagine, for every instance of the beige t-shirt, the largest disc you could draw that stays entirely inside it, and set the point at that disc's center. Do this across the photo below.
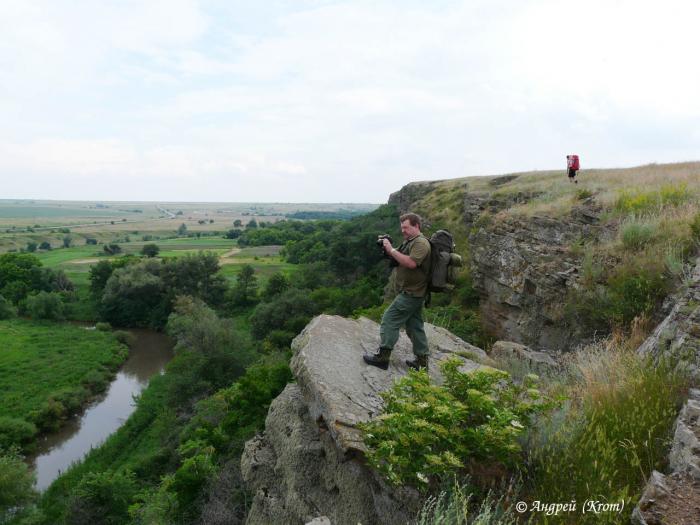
(414, 282)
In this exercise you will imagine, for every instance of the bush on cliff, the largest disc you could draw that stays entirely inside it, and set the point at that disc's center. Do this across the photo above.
(429, 431)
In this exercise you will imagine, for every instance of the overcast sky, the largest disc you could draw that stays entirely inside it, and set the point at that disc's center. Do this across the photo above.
(334, 101)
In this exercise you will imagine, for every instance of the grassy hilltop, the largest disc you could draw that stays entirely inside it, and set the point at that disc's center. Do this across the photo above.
(648, 216)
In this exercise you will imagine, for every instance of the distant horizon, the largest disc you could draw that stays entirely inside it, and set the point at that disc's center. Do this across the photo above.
(311, 202)
(38, 199)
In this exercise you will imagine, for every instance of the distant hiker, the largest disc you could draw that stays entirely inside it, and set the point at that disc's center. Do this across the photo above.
(572, 166)
(411, 281)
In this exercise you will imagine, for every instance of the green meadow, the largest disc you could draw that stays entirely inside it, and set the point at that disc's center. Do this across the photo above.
(43, 360)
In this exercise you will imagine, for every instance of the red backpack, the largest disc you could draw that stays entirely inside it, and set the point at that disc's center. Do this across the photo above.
(573, 162)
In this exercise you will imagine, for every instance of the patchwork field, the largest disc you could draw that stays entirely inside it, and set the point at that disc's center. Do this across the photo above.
(76, 261)
(23, 221)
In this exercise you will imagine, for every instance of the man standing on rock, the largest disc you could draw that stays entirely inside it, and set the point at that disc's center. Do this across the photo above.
(411, 278)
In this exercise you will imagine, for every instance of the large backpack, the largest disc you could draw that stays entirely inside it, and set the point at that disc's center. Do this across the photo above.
(574, 163)
(443, 262)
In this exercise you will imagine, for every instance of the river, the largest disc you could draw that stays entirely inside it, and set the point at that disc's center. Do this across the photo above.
(55, 452)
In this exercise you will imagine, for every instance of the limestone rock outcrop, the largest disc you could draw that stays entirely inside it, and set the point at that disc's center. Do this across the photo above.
(405, 198)
(523, 269)
(537, 361)
(308, 464)
(677, 337)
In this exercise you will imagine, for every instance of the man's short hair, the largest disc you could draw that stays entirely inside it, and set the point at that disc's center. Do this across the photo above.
(413, 218)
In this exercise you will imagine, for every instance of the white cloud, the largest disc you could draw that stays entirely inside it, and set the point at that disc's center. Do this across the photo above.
(337, 100)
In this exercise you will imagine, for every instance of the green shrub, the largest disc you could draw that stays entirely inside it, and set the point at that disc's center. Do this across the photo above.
(632, 289)
(636, 235)
(150, 250)
(125, 338)
(429, 431)
(468, 296)
(95, 381)
(635, 289)
(7, 310)
(15, 432)
(49, 416)
(71, 398)
(583, 194)
(103, 497)
(46, 305)
(103, 327)
(191, 476)
(674, 194)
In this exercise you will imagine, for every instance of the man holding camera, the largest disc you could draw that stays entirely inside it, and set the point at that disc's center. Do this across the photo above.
(411, 278)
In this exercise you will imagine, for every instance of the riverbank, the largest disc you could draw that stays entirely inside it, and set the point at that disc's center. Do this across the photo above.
(150, 352)
(62, 367)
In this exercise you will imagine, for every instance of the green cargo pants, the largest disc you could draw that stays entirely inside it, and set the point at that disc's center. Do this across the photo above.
(404, 310)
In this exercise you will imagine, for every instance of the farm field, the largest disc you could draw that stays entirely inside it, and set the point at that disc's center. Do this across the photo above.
(23, 221)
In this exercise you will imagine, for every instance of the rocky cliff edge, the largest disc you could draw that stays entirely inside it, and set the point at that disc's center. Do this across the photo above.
(309, 462)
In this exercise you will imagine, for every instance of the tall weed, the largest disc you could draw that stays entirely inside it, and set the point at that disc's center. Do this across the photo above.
(614, 432)
(636, 235)
(457, 506)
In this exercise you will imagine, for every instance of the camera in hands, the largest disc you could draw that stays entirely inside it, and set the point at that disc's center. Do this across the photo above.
(380, 243)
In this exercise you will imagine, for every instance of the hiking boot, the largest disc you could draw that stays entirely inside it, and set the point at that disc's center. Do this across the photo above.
(380, 359)
(421, 361)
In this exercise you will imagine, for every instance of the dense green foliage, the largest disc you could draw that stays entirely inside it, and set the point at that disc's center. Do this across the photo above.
(103, 497)
(143, 293)
(615, 296)
(211, 353)
(7, 309)
(244, 293)
(46, 305)
(22, 274)
(429, 431)
(175, 458)
(150, 250)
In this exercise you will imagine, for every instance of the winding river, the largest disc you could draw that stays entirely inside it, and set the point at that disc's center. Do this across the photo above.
(55, 453)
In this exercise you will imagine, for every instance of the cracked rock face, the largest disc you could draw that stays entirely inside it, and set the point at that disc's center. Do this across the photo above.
(309, 462)
(523, 268)
(678, 336)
